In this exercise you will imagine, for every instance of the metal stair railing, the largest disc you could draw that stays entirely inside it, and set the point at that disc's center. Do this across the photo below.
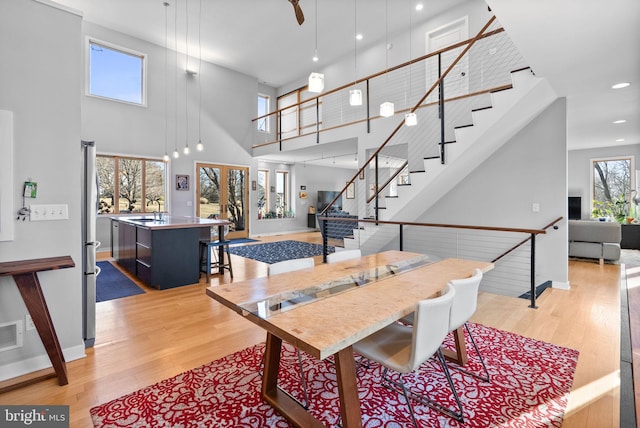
(461, 247)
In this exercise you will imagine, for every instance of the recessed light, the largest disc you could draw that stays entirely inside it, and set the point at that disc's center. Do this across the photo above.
(620, 85)
(359, 36)
(619, 121)
(419, 7)
(619, 140)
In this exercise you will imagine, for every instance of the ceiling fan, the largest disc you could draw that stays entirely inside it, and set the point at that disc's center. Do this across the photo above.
(298, 11)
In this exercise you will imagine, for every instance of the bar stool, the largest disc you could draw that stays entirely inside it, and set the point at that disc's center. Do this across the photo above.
(207, 263)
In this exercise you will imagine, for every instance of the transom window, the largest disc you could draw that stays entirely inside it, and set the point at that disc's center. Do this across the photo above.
(116, 73)
(263, 108)
(131, 185)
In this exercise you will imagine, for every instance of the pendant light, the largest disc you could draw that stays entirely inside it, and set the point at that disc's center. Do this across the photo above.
(186, 149)
(410, 119)
(176, 154)
(199, 146)
(386, 108)
(316, 80)
(355, 95)
(166, 78)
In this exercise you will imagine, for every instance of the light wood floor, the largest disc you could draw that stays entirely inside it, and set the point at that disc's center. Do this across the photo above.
(146, 338)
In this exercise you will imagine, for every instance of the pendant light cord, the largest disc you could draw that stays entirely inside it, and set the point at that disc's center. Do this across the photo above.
(186, 81)
(175, 40)
(199, 71)
(166, 78)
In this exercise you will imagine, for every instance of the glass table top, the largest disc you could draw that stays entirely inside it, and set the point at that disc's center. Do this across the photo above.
(283, 302)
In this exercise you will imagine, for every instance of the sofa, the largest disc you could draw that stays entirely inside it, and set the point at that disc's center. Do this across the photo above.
(595, 239)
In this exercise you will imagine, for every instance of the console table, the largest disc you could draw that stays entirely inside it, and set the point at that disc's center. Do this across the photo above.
(24, 273)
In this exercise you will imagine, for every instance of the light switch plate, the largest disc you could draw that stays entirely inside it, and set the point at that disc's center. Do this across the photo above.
(48, 212)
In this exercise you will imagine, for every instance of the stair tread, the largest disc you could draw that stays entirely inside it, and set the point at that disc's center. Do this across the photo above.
(521, 69)
(482, 108)
(463, 126)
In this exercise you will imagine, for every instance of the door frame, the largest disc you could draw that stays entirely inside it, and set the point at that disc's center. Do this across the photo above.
(224, 168)
(461, 26)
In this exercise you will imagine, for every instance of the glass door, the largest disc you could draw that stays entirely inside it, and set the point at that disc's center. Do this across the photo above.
(223, 193)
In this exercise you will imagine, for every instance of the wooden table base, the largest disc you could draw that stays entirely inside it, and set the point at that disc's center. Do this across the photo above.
(291, 409)
(24, 273)
(460, 357)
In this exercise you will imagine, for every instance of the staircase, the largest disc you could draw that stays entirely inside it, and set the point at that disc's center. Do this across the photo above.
(510, 111)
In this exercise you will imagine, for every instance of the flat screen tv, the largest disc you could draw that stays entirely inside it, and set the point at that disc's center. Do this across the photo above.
(575, 207)
(324, 199)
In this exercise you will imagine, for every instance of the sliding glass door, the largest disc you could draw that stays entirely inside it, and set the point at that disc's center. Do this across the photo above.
(223, 193)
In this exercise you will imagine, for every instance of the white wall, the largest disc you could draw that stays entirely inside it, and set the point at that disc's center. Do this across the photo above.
(372, 60)
(579, 183)
(530, 168)
(40, 83)
(228, 105)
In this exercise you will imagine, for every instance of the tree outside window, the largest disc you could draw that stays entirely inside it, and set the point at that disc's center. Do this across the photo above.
(263, 193)
(127, 185)
(282, 194)
(612, 192)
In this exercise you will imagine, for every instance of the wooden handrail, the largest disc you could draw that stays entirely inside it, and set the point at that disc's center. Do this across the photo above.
(342, 125)
(442, 225)
(395, 67)
(524, 241)
(386, 183)
(424, 97)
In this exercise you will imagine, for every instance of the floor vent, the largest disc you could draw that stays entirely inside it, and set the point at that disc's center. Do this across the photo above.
(10, 335)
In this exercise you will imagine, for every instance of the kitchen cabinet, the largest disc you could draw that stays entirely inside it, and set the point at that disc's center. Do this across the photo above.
(161, 257)
(127, 246)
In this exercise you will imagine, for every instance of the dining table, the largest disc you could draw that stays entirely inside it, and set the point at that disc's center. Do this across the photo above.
(324, 310)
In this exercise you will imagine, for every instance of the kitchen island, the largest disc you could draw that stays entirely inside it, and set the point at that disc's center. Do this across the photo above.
(162, 253)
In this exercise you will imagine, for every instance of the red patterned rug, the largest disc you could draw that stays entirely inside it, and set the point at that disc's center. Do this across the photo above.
(530, 382)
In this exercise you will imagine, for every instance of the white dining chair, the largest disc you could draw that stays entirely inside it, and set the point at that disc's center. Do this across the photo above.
(290, 266)
(403, 348)
(464, 306)
(340, 256)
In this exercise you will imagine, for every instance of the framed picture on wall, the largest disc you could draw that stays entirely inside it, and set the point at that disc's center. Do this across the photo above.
(182, 182)
(351, 190)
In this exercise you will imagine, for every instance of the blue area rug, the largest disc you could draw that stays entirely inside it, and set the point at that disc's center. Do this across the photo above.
(273, 252)
(113, 284)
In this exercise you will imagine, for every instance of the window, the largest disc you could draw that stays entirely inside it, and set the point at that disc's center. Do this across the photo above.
(282, 194)
(128, 185)
(611, 188)
(263, 108)
(300, 119)
(116, 73)
(263, 193)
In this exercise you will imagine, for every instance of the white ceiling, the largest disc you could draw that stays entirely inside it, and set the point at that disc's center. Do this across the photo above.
(581, 46)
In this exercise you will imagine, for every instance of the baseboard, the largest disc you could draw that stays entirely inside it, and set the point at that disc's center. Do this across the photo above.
(561, 285)
(40, 362)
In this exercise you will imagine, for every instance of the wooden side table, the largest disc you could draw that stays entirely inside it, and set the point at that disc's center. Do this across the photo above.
(24, 273)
